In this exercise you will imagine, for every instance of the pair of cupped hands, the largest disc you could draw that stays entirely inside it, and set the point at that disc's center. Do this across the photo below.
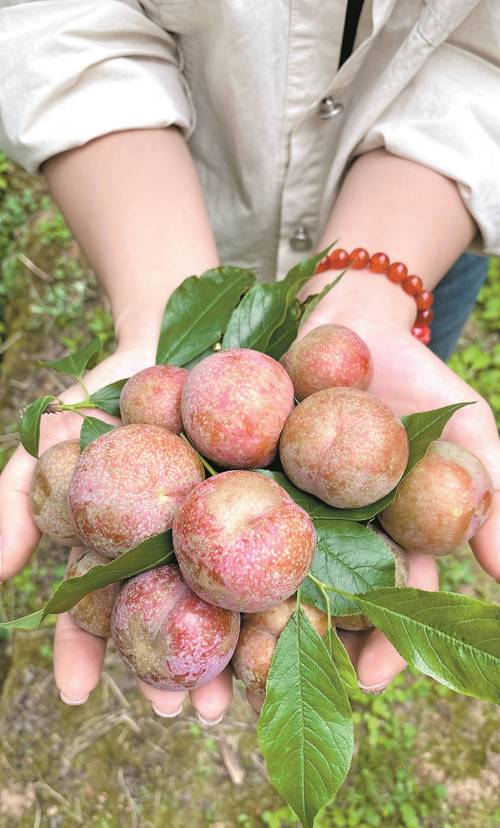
(408, 377)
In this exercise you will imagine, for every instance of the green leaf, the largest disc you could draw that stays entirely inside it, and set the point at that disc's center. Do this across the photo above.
(29, 425)
(75, 364)
(452, 638)
(340, 658)
(265, 307)
(305, 728)
(301, 273)
(27, 622)
(350, 557)
(312, 302)
(425, 427)
(92, 428)
(283, 336)
(198, 311)
(108, 398)
(260, 313)
(154, 551)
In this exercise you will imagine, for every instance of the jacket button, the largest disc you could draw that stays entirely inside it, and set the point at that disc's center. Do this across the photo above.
(328, 108)
(300, 239)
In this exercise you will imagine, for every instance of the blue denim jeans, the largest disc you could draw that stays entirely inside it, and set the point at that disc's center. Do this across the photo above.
(454, 299)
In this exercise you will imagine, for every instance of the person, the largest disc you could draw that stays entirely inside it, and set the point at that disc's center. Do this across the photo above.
(176, 135)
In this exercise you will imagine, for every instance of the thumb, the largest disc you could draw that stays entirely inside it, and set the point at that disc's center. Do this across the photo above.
(18, 534)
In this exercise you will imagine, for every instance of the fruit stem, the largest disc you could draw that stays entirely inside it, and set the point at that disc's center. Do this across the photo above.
(75, 406)
(322, 587)
(83, 387)
(326, 599)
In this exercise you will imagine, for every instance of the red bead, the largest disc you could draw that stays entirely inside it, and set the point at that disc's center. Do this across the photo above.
(338, 259)
(425, 316)
(379, 263)
(322, 265)
(359, 258)
(424, 299)
(412, 285)
(397, 272)
(422, 333)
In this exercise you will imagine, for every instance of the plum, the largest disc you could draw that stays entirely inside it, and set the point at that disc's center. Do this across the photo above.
(234, 406)
(167, 635)
(93, 612)
(327, 357)
(128, 485)
(441, 503)
(241, 541)
(49, 492)
(345, 446)
(153, 396)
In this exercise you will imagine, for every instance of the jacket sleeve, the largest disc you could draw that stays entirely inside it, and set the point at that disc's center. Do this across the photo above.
(72, 70)
(448, 119)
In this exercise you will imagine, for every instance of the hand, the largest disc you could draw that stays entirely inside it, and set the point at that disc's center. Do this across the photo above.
(78, 656)
(410, 378)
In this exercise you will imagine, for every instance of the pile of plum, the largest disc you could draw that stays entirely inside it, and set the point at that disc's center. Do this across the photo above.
(242, 544)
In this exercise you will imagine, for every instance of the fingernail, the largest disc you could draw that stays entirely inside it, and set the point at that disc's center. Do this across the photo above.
(210, 722)
(374, 689)
(74, 702)
(166, 714)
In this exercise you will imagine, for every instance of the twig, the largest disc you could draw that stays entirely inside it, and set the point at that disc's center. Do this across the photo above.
(11, 340)
(61, 799)
(38, 815)
(37, 271)
(230, 758)
(111, 683)
(130, 799)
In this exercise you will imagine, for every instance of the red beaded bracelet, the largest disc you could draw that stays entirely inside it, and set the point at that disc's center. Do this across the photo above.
(396, 272)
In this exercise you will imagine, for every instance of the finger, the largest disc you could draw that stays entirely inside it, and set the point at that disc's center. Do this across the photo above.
(165, 703)
(379, 662)
(474, 428)
(353, 642)
(212, 700)
(78, 659)
(18, 534)
(486, 543)
(255, 701)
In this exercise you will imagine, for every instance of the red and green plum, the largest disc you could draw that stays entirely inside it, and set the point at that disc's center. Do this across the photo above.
(93, 612)
(234, 406)
(167, 635)
(49, 492)
(327, 357)
(128, 485)
(441, 503)
(345, 446)
(153, 396)
(241, 541)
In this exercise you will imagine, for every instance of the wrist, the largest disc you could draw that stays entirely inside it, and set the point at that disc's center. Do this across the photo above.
(363, 301)
(138, 327)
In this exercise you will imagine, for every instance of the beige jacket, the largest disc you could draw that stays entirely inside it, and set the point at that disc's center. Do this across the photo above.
(271, 121)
